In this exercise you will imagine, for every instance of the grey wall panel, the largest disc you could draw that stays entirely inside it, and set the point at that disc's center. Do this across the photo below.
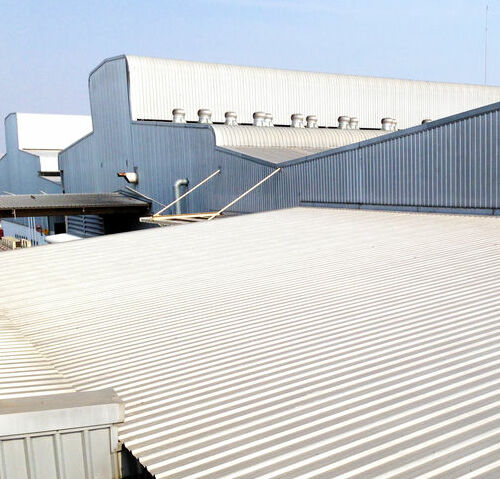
(18, 169)
(451, 165)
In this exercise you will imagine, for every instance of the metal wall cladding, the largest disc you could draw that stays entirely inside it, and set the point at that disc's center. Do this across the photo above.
(79, 454)
(159, 85)
(453, 164)
(19, 170)
(160, 152)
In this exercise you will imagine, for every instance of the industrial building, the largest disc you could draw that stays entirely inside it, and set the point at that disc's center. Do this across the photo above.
(301, 343)
(161, 127)
(171, 122)
(31, 165)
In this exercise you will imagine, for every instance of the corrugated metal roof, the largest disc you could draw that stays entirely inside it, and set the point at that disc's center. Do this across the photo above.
(287, 137)
(70, 200)
(297, 343)
(275, 155)
(159, 85)
(50, 132)
(23, 369)
(278, 144)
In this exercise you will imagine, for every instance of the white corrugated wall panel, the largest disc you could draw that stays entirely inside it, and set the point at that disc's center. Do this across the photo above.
(159, 85)
(298, 343)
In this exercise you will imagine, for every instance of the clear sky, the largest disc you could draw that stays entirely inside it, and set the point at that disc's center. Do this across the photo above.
(48, 47)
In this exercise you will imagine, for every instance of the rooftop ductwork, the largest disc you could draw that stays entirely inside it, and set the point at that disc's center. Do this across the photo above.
(312, 121)
(230, 118)
(297, 120)
(204, 116)
(179, 115)
(344, 122)
(353, 123)
(259, 118)
(268, 121)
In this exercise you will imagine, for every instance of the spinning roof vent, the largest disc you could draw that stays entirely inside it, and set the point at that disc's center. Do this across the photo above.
(204, 116)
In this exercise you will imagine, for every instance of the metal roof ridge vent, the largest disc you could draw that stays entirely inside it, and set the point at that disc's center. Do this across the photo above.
(230, 118)
(353, 123)
(178, 115)
(297, 120)
(344, 122)
(268, 121)
(386, 124)
(311, 121)
(204, 115)
(259, 118)
(426, 120)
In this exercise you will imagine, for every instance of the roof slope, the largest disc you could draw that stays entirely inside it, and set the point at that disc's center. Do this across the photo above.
(158, 85)
(297, 343)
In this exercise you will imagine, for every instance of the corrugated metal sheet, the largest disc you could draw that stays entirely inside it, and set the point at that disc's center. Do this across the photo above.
(24, 371)
(451, 163)
(159, 85)
(69, 200)
(275, 155)
(278, 144)
(299, 343)
(287, 137)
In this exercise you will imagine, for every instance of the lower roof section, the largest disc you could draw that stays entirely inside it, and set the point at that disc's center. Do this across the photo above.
(16, 206)
(297, 343)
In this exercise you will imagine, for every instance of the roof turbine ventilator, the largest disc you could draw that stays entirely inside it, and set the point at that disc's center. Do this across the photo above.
(179, 115)
(297, 120)
(344, 122)
(311, 121)
(259, 118)
(268, 121)
(230, 118)
(205, 116)
(353, 123)
(388, 124)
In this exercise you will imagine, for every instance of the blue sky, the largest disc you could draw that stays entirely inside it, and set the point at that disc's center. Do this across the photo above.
(48, 47)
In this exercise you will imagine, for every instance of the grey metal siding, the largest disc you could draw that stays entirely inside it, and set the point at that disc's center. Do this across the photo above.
(18, 169)
(454, 164)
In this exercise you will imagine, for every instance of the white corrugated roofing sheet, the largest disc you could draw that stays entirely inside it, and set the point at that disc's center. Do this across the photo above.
(278, 144)
(299, 343)
(24, 371)
(159, 85)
